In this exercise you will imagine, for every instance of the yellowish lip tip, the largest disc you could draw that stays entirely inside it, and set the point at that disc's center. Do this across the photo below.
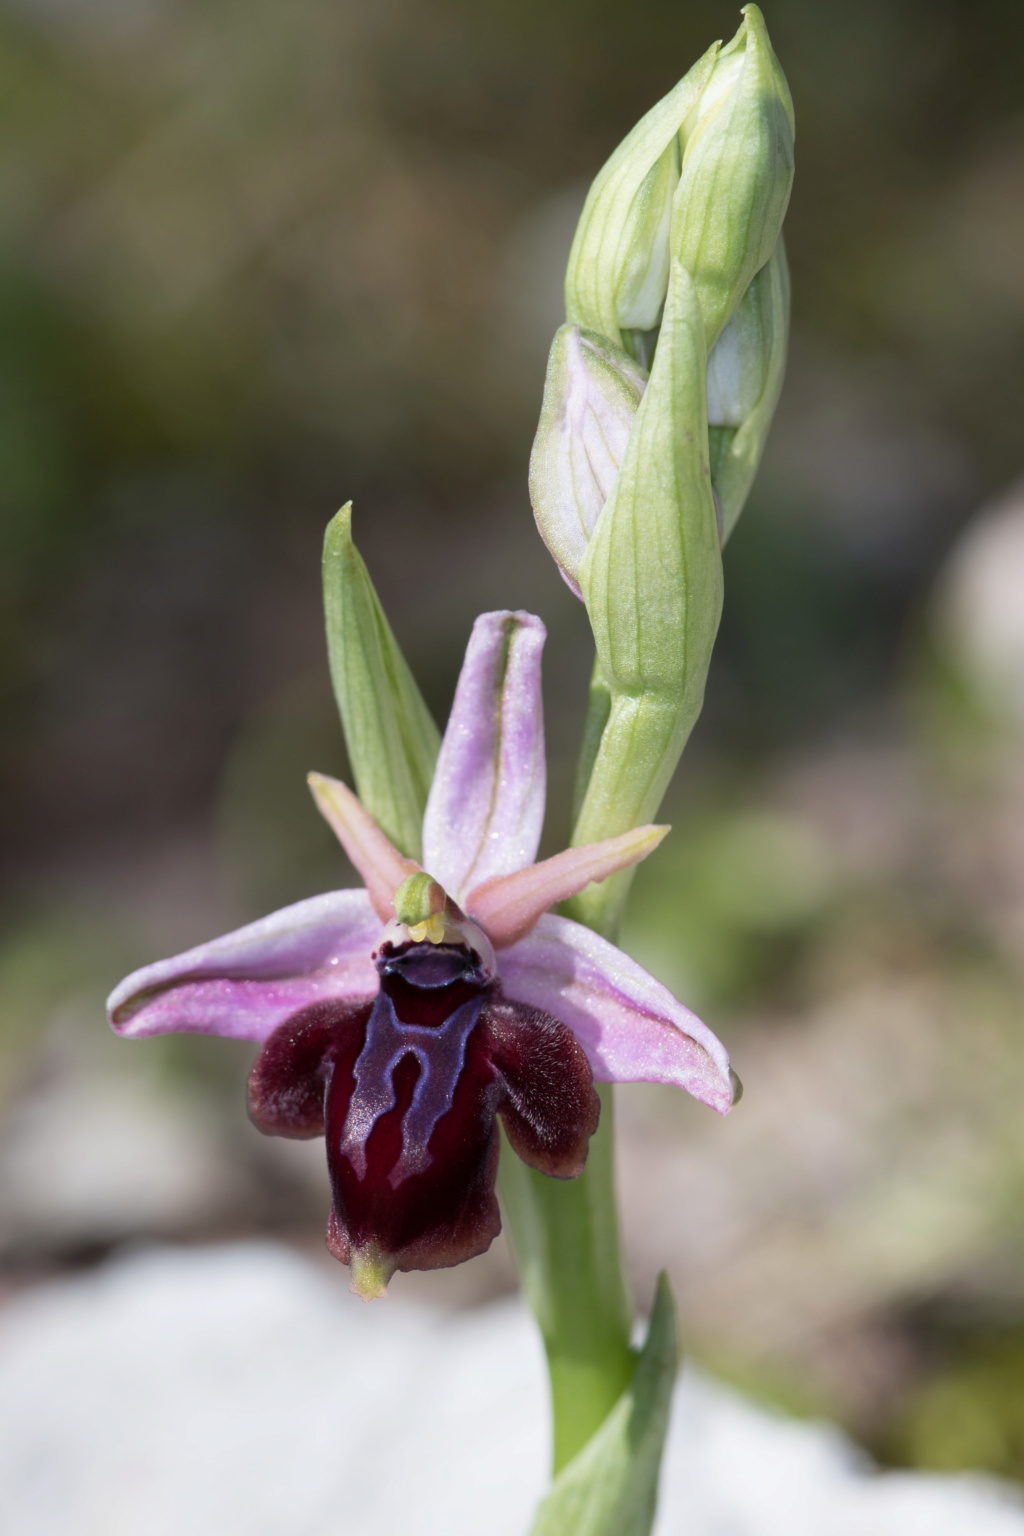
(371, 1270)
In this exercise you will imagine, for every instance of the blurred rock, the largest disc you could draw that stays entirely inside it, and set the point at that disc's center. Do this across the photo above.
(95, 1149)
(241, 1391)
(872, 1163)
(979, 606)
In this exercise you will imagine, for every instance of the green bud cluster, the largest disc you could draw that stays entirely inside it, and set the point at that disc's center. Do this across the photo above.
(704, 178)
(659, 394)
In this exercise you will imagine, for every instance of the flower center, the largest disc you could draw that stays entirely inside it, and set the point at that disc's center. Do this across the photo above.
(431, 943)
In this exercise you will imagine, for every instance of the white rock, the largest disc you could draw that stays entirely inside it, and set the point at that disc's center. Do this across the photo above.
(241, 1391)
(978, 599)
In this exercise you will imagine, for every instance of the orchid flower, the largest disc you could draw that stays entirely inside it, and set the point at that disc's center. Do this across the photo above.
(401, 1019)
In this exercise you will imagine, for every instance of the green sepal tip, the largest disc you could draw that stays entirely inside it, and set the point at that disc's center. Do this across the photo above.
(390, 734)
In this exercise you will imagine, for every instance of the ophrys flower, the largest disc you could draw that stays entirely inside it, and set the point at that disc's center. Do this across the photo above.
(403, 1045)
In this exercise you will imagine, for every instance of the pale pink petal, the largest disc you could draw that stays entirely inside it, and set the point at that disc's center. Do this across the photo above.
(486, 804)
(508, 906)
(630, 1026)
(379, 862)
(244, 984)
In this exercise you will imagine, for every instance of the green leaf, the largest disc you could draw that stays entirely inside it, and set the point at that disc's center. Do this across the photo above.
(611, 1487)
(391, 737)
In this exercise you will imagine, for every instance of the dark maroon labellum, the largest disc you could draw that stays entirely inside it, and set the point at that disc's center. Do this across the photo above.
(407, 1087)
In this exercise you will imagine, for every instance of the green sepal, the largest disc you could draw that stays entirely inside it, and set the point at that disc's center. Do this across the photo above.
(761, 331)
(737, 173)
(619, 263)
(610, 1488)
(391, 737)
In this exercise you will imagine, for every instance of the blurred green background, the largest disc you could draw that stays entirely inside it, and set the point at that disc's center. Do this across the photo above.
(258, 259)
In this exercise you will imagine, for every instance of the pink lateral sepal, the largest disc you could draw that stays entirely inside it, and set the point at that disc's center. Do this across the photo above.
(630, 1026)
(244, 984)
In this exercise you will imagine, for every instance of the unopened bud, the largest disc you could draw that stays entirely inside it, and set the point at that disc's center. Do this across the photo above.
(618, 269)
(705, 178)
(591, 394)
(737, 173)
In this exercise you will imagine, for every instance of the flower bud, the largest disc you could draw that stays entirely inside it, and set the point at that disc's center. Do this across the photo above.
(391, 738)
(705, 178)
(644, 546)
(617, 275)
(736, 174)
(591, 394)
(745, 372)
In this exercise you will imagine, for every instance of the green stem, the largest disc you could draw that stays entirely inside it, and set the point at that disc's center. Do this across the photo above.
(640, 745)
(566, 1239)
(566, 1234)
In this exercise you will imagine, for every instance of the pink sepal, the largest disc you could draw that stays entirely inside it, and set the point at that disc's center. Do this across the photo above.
(246, 983)
(630, 1026)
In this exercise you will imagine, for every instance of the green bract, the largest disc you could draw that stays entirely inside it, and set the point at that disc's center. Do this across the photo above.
(391, 738)
(652, 582)
(651, 577)
(610, 1487)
